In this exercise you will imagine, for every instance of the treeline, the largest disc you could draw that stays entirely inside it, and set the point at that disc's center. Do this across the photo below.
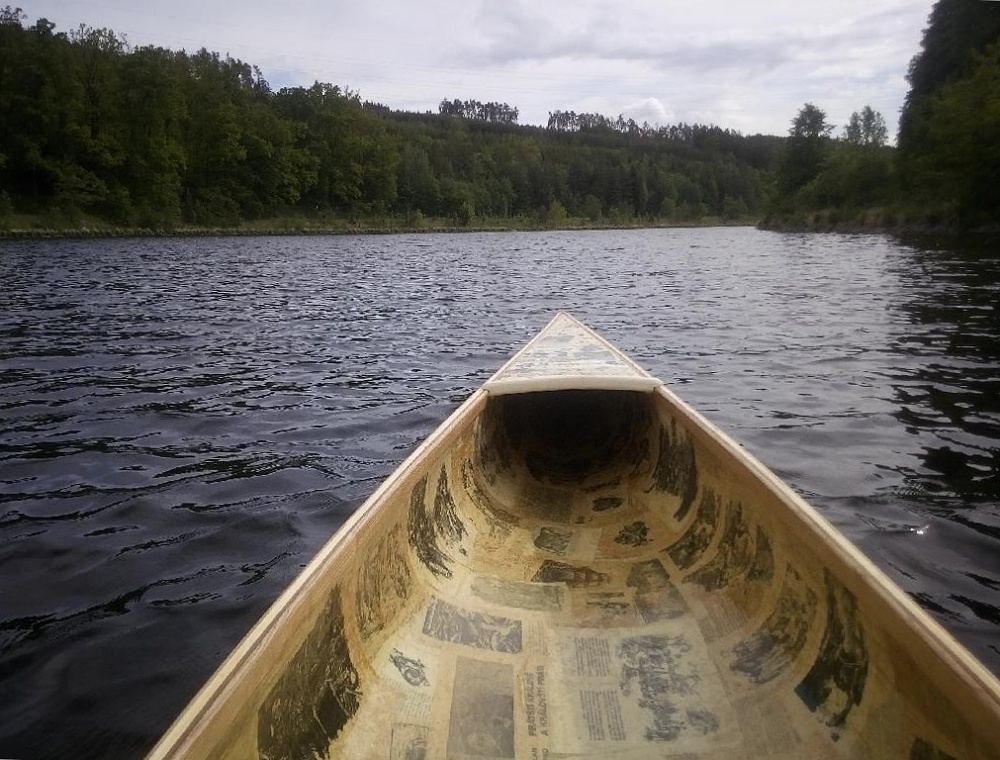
(466, 169)
(945, 171)
(570, 121)
(92, 128)
(499, 113)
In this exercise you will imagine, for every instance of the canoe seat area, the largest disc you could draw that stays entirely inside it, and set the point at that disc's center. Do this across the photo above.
(558, 583)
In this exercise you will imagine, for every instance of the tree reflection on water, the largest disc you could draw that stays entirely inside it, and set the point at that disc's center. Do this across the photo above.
(948, 390)
(953, 394)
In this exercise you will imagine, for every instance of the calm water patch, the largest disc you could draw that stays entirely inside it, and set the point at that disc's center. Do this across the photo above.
(184, 422)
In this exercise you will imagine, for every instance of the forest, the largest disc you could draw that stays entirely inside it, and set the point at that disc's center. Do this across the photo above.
(96, 132)
(94, 129)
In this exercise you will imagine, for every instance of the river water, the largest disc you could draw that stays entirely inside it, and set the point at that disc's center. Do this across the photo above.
(183, 422)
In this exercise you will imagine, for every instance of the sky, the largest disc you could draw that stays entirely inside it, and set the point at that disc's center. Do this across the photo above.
(748, 66)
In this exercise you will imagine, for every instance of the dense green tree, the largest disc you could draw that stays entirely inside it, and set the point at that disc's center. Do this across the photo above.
(852, 178)
(808, 138)
(949, 128)
(417, 187)
(152, 95)
(214, 189)
(956, 165)
(355, 164)
(866, 128)
(956, 30)
(37, 101)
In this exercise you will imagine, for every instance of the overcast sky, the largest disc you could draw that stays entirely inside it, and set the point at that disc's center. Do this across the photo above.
(745, 65)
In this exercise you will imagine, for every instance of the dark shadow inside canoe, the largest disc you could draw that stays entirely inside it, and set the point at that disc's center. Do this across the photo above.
(569, 437)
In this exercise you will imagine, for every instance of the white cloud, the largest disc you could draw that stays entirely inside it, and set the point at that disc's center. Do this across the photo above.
(649, 110)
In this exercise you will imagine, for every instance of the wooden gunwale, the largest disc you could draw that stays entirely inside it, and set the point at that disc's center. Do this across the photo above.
(945, 660)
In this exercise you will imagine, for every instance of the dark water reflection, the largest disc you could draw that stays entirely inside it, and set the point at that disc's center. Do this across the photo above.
(954, 394)
(184, 422)
(949, 398)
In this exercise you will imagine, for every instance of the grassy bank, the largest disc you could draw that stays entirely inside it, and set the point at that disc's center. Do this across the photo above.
(892, 220)
(29, 227)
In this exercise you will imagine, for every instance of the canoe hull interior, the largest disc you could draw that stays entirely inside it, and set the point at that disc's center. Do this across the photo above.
(581, 573)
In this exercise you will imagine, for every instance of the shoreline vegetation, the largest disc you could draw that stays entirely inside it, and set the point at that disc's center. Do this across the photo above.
(878, 221)
(868, 221)
(818, 223)
(102, 139)
(292, 227)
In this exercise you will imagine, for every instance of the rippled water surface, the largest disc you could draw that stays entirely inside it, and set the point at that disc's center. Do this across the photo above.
(184, 422)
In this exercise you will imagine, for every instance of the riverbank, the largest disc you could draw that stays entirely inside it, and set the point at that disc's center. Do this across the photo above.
(32, 227)
(892, 221)
(264, 229)
(813, 223)
(866, 221)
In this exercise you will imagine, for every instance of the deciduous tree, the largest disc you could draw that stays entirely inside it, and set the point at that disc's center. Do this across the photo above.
(805, 149)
